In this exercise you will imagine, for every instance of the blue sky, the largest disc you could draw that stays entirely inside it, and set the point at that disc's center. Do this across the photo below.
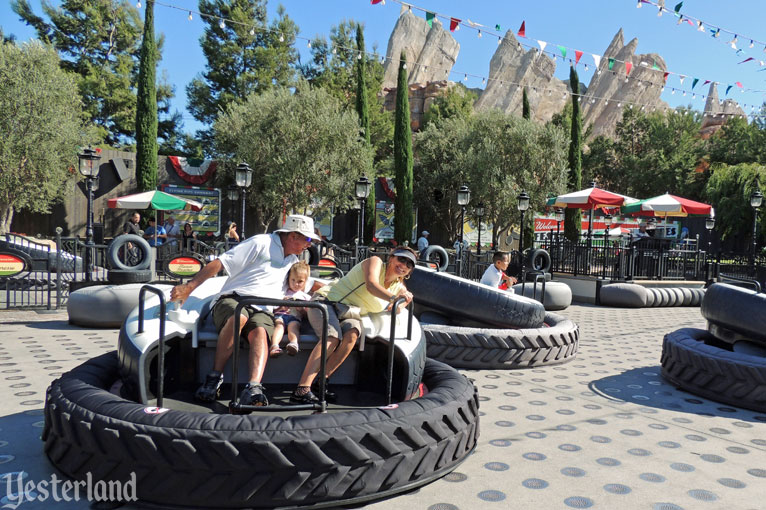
(588, 25)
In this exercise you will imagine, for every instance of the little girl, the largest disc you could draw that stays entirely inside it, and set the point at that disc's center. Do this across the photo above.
(290, 318)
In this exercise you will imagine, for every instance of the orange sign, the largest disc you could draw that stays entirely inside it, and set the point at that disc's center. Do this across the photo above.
(11, 265)
(184, 266)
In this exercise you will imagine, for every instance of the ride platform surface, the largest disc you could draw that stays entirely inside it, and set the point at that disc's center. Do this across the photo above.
(602, 431)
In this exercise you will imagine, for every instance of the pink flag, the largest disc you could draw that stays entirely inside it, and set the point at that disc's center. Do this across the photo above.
(747, 60)
(523, 29)
(739, 84)
(628, 67)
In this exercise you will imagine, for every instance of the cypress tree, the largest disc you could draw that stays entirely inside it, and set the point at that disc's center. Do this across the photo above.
(146, 108)
(572, 222)
(402, 158)
(364, 120)
(525, 112)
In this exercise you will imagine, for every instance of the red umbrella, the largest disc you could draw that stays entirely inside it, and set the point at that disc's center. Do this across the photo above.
(590, 198)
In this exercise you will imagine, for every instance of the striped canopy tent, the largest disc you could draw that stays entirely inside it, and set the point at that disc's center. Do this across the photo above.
(157, 200)
(590, 198)
(667, 205)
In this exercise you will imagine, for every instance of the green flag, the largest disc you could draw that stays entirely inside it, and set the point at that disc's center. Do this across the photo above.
(430, 18)
(694, 83)
(678, 7)
(563, 51)
(611, 63)
(497, 28)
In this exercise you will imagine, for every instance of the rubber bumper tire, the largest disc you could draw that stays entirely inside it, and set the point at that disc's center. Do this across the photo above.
(539, 260)
(724, 376)
(186, 459)
(119, 276)
(628, 295)
(457, 296)
(112, 253)
(737, 309)
(478, 348)
(558, 295)
(104, 306)
(440, 254)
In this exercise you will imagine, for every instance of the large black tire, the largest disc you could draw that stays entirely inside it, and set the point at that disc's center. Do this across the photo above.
(479, 348)
(628, 295)
(185, 459)
(725, 376)
(112, 253)
(733, 308)
(459, 297)
(437, 254)
(539, 260)
(118, 276)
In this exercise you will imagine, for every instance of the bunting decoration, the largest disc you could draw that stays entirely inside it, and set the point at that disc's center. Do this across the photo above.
(375, 2)
(706, 82)
(193, 171)
(611, 63)
(694, 82)
(497, 28)
(523, 30)
(748, 59)
(578, 54)
(597, 59)
(666, 77)
(454, 24)
(628, 67)
(430, 19)
(728, 89)
(678, 7)
(563, 51)
(542, 44)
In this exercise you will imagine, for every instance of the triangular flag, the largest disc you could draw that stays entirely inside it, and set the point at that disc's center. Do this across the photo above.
(706, 82)
(473, 25)
(681, 78)
(694, 83)
(678, 6)
(689, 21)
(628, 67)
(454, 24)
(542, 44)
(739, 84)
(597, 60)
(373, 2)
(430, 18)
(666, 77)
(611, 63)
(497, 27)
(747, 60)
(523, 30)
(578, 54)
(563, 51)
(727, 89)
(655, 66)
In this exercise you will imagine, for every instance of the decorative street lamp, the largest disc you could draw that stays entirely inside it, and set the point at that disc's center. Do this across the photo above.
(709, 225)
(522, 205)
(89, 167)
(607, 224)
(244, 178)
(361, 192)
(479, 212)
(756, 199)
(463, 199)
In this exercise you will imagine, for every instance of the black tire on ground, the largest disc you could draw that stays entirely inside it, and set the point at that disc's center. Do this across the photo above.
(627, 295)
(112, 254)
(437, 254)
(558, 295)
(478, 348)
(724, 376)
(458, 297)
(119, 276)
(185, 459)
(539, 260)
(734, 308)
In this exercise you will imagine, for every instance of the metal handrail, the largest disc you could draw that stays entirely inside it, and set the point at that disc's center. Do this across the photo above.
(755, 283)
(161, 341)
(538, 276)
(234, 404)
(392, 338)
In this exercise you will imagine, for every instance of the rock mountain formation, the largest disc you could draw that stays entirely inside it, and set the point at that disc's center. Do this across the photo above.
(431, 53)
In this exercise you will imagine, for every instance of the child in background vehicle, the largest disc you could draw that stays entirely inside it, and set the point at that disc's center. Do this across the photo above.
(290, 318)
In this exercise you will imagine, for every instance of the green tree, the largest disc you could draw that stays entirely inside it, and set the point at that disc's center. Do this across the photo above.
(525, 111)
(457, 102)
(100, 41)
(362, 109)
(41, 126)
(243, 56)
(403, 158)
(574, 179)
(304, 148)
(146, 112)
(738, 142)
(728, 190)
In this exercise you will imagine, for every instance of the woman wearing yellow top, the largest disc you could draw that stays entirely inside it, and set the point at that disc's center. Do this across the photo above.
(372, 286)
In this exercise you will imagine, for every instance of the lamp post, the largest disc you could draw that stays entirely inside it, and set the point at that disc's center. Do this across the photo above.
(560, 216)
(756, 199)
(88, 166)
(709, 225)
(479, 212)
(361, 192)
(244, 178)
(463, 199)
(522, 206)
(607, 223)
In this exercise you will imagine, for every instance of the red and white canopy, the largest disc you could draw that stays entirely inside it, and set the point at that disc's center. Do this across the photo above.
(668, 205)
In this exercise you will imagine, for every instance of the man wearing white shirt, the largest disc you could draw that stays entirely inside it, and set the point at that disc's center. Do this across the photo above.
(495, 274)
(172, 230)
(423, 242)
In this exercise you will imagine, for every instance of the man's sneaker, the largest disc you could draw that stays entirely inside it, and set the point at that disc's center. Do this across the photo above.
(306, 398)
(329, 395)
(211, 389)
(253, 395)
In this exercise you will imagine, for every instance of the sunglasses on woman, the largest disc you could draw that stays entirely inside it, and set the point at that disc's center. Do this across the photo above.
(407, 262)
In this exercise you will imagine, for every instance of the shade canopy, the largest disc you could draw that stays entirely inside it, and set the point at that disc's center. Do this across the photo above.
(668, 205)
(589, 198)
(157, 200)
